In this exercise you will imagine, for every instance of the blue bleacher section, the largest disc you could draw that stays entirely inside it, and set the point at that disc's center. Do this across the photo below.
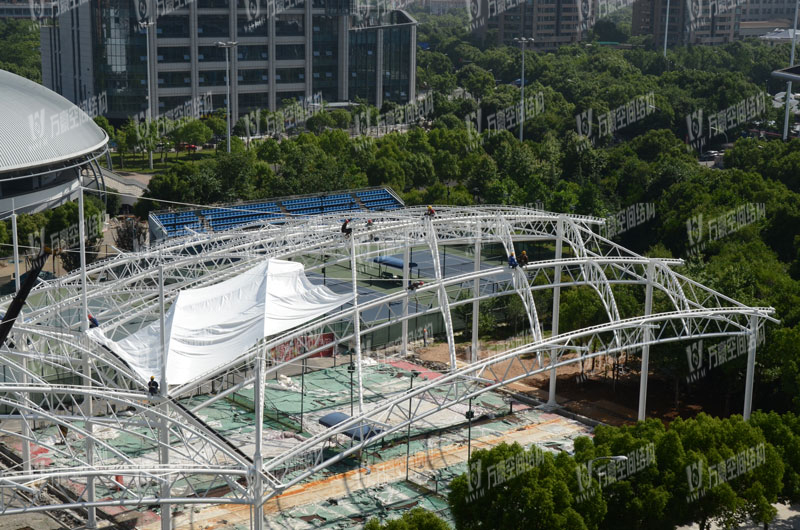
(224, 218)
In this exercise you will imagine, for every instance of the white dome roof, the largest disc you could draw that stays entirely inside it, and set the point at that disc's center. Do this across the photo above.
(39, 127)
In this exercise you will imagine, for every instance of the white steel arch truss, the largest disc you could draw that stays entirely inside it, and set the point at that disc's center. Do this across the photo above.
(61, 387)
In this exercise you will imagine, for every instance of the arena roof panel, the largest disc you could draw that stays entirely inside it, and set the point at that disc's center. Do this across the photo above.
(40, 127)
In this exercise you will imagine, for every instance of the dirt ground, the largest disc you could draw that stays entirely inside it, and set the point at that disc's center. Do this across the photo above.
(594, 394)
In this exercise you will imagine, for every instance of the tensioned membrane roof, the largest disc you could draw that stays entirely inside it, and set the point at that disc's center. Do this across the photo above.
(39, 127)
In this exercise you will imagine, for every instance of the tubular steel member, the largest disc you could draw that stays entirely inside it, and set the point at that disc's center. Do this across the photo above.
(125, 295)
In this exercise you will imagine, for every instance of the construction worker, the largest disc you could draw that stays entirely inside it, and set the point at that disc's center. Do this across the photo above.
(512, 261)
(431, 212)
(93, 323)
(152, 386)
(413, 286)
(346, 230)
(523, 259)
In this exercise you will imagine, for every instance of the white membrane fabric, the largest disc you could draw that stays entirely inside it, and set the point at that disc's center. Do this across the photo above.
(209, 327)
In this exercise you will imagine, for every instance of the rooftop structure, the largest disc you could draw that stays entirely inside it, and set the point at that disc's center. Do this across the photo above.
(47, 146)
(88, 437)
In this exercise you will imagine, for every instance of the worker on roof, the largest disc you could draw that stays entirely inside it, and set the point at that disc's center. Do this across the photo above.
(431, 212)
(152, 386)
(93, 323)
(512, 261)
(413, 286)
(346, 230)
(523, 259)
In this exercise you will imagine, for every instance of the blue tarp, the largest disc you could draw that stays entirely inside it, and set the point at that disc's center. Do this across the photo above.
(356, 433)
(391, 261)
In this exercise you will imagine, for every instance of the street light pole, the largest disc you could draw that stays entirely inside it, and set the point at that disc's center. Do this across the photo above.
(149, 119)
(789, 84)
(414, 374)
(666, 30)
(523, 41)
(228, 45)
(470, 414)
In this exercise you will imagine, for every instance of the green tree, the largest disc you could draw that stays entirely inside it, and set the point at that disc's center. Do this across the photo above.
(416, 519)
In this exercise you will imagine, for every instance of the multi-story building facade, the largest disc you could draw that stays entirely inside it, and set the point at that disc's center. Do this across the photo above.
(709, 22)
(304, 48)
(552, 23)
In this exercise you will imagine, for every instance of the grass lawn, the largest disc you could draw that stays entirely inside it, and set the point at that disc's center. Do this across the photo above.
(138, 163)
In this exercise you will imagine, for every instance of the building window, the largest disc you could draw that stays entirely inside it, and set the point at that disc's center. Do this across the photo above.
(206, 54)
(290, 52)
(253, 77)
(289, 25)
(174, 79)
(253, 52)
(173, 54)
(212, 78)
(212, 25)
(172, 27)
(290, 75)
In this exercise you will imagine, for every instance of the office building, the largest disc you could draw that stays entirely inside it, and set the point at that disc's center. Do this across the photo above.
(703, 22)
(292, 52)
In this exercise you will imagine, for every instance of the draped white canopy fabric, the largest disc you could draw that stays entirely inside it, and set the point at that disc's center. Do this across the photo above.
(208, 327)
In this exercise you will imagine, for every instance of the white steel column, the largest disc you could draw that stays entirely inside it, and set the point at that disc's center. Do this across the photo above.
(751, 363)
(356, 324)
(476, 291)
(163, 427)
(91, 521)
(26, 431)
(648, 310)
(406, 280)
(551, 397)
(444, 304)
(258, 403)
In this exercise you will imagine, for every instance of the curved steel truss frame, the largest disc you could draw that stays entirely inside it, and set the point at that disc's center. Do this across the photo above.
(96, 393)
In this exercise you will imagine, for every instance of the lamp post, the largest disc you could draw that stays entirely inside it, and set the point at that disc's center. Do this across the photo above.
(414, 374)
(469, 415)
(616, 458)
(789, 84)
(149, 119)
(228, 45)
(666, 30)
(523, 41)
(351, 368)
